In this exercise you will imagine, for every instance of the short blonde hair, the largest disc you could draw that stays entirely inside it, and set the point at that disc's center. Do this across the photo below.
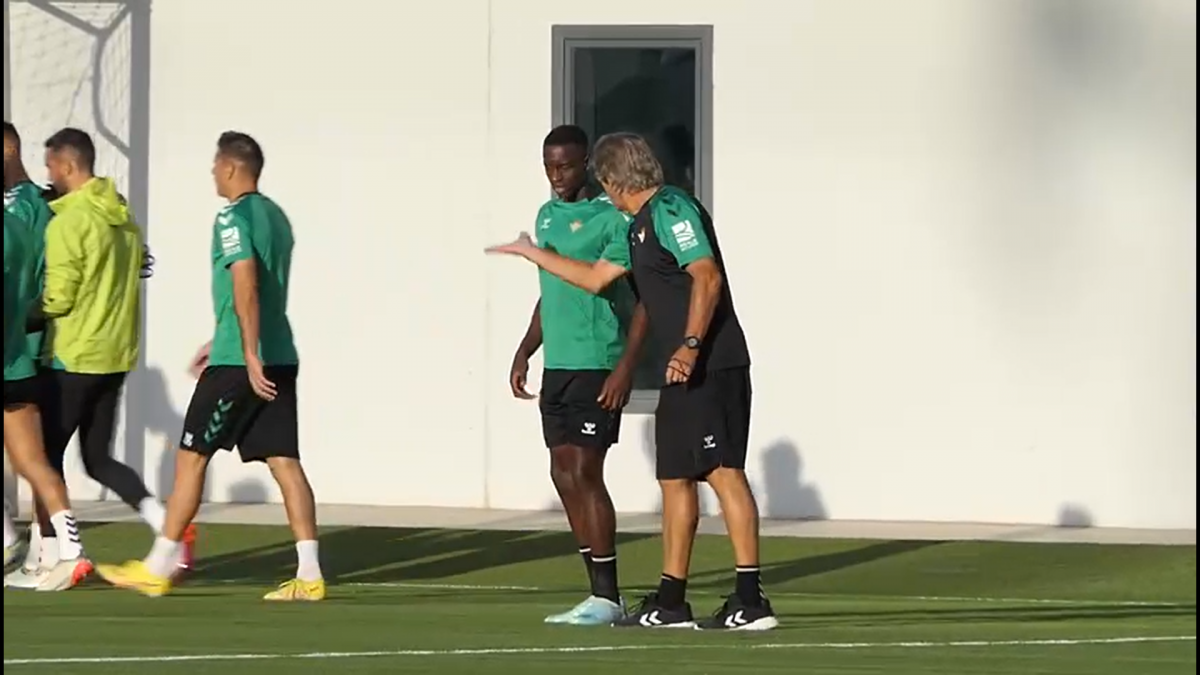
(625, 163)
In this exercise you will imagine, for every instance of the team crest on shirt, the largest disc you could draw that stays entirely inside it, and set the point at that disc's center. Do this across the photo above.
(575, 226)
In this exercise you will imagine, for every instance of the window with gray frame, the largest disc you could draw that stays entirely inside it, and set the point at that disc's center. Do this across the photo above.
(655, 81)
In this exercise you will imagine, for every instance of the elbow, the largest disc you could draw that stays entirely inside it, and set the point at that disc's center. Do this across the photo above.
(713, 284)
(595, 284)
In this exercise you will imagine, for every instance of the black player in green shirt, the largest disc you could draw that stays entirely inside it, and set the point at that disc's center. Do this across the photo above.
(702, 423)
(590, 345)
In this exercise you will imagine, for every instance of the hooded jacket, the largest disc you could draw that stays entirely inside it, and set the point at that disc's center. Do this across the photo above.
(94, 255)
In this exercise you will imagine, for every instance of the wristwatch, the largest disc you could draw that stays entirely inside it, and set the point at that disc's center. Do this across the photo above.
(691, 342)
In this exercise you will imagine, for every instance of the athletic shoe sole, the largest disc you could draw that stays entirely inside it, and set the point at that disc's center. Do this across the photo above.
(66, 575)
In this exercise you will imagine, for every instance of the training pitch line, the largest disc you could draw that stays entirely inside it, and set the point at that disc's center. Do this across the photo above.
(532, 651)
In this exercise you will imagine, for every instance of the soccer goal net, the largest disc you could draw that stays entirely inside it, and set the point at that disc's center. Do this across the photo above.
(72, 64)
(68, 64)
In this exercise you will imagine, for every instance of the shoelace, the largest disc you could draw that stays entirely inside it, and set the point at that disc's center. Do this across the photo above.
(647, 601)
(724, 608)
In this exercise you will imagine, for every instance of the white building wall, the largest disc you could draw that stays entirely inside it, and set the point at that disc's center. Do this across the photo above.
(965, 265)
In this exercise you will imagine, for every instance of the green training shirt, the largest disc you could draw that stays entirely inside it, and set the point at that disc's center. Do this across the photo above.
(19, 264)
(253, 227)
(582, 331)
(25, 201)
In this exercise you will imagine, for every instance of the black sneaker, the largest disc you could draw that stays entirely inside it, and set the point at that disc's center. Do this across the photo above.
(651, 614)
(737, 615)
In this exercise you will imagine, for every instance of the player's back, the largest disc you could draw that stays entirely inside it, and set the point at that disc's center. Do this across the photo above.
(28, 202)
(18, 278)
(271, 235)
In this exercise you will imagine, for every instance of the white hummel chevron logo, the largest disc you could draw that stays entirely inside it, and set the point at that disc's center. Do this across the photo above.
(650, 620)
(187, 439)
(224, 219)
(546, 224)
(735, 620)
(589, 429)
(710, 442)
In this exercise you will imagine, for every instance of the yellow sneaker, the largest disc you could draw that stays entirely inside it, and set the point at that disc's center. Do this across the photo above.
(135, 576)
(298, 591)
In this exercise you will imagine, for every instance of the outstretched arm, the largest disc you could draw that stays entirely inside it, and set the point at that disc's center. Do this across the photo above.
(591, 277)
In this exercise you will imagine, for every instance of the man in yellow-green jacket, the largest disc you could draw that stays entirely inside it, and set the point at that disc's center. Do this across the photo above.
(92, 302)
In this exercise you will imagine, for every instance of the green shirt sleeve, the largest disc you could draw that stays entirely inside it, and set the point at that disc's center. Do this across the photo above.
(680, 229)
(232, 234)
(617, 249)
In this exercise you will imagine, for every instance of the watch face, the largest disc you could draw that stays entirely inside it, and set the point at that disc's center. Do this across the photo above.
(692, 343)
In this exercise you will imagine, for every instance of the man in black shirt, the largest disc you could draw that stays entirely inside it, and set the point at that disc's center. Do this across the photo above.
(702, 423)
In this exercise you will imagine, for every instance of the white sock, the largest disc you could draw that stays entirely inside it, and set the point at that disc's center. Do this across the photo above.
(309, 566)
(10, 530)
(163, 558)
(153, 514)
(69, 545)
(49, 553)
(33, 555)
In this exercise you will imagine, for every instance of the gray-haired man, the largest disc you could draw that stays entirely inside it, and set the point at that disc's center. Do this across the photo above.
(702, 423)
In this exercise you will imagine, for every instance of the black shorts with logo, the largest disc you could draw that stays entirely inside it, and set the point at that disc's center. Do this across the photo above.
(570, 413)
(703, 424)
(226, 413)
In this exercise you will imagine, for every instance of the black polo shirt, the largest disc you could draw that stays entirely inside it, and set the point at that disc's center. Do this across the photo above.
(671, 232)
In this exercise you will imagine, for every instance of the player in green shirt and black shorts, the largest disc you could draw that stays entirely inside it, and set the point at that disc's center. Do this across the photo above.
(246, 393)
(590, 346)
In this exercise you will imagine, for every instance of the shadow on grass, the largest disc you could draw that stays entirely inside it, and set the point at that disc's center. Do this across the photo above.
(388, 555)
(779, 573)
(373, 555)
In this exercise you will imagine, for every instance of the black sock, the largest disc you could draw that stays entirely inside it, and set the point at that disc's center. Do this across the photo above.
(586, 553)
(671, 591)
(604, 577)
(749, 586)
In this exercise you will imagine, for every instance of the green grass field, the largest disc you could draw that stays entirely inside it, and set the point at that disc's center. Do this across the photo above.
(439, 601)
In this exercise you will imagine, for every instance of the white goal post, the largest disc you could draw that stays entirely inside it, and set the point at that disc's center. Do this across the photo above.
(84, 65)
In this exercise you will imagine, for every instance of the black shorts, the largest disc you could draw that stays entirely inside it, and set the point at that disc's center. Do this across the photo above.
(82, 402)
(570, 413)
(27, 391)
(226, 413)
(703, 425)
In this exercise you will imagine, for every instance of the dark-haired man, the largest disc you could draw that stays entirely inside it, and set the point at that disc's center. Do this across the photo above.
(92, 295)
(245, 396)
(590, 347)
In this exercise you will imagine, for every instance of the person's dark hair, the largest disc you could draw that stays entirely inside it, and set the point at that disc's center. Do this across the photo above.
(78, 142)
(10, 131)
(567, 134)
(244, 149)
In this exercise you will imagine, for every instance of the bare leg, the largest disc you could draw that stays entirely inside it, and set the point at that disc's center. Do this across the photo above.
(742, 522)
(578, 475)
